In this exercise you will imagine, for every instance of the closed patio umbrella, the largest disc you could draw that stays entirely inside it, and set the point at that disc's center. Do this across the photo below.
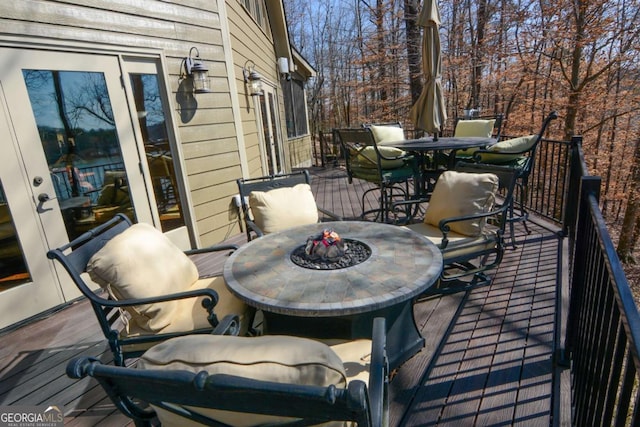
(429, 112)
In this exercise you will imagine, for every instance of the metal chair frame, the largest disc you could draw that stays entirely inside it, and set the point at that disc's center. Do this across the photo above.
(266, 183)
(74, 257)
(183, 392)
(523, 167)
(392, 184)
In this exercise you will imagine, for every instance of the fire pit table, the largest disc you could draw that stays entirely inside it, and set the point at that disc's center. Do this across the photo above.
(392, 265)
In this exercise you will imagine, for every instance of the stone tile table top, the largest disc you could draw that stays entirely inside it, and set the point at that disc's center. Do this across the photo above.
(402, 264)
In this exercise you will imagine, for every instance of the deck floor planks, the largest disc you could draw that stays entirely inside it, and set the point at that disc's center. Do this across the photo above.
(502, 383)
(465, 375)
(433, 318)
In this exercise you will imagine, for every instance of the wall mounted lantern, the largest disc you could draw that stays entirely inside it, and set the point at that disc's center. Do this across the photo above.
(196, 69)
(252, 78)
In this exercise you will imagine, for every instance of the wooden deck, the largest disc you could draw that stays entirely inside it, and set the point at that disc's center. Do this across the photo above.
(488, 358)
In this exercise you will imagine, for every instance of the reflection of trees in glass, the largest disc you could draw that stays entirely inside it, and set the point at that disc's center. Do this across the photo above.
(149, 106)
(78, 98)
(74, 117)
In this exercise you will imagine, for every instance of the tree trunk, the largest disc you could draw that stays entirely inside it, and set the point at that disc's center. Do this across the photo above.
(630, 227)
(413, 48)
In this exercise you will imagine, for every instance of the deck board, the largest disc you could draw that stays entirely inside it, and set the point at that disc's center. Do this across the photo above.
(487, 358)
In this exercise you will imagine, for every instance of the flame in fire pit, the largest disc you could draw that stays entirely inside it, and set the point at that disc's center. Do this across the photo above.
(325, 246)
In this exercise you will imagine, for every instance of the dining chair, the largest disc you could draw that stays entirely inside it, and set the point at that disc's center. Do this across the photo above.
(520, 154)
(273, 203)
(143, 289)
(112, 198)
(250, 381)
(483, 126)
(467, 222)
(369, 157)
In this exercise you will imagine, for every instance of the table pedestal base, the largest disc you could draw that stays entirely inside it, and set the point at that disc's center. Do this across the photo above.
(403, 338)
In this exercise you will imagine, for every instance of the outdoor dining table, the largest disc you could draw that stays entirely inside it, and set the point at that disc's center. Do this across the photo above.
(420, 146)
(338, 303)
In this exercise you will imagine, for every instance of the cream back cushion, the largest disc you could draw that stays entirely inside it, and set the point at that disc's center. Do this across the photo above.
(283, 208)
(473, 128)
(142, 262)
(386, 134)
(479, 128)
(514, 145)
(282, 359)
(461, 194)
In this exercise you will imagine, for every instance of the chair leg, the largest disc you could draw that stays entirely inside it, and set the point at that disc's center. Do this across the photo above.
(523, 216)
(378, 211)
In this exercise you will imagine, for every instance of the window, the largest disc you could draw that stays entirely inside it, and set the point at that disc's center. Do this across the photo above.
(258, 11)
(295, 107)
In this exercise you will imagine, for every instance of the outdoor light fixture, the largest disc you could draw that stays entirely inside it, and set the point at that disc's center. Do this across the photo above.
(196, 69)
(252, 78)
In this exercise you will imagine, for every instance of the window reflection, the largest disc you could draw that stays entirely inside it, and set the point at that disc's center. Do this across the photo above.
(159, 156)
(75, 121)
(13, 268)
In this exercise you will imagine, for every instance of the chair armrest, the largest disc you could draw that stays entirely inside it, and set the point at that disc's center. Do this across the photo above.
(330, 214)
(214, 248)
(402, 205)
(445, 228)
(229, 325)
(209, 302)
(252, 225)
(379, 374)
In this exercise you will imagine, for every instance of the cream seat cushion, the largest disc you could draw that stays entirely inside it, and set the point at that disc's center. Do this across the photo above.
(514, 145)
(142, 262)
(458, 244)
(367, 157)
(460, 194)
(282, 359)
(282, 208)
(384, 135)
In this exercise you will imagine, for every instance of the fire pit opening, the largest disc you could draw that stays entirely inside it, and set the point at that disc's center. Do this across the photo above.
(329, 251)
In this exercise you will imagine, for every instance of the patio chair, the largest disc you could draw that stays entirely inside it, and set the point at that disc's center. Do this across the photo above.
(369, 158)
(463, 220)
(519, 154)
(153, 291)
(112, 198)
(483, 126)
(272, 203)
(250, 381)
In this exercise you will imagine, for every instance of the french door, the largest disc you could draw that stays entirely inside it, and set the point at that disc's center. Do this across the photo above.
(73, 157)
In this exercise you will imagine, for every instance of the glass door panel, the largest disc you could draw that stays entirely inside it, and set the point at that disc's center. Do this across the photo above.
(13, 267)
(75, 121)
(158, 153)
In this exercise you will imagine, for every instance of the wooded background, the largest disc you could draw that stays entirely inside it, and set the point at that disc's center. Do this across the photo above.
(521, 58)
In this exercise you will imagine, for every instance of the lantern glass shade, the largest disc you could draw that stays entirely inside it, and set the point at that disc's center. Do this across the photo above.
(255, 82)
(201, 83)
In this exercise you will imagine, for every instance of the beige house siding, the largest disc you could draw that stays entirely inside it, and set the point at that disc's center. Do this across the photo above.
(300, 152)
(210, 136)
(249, 43)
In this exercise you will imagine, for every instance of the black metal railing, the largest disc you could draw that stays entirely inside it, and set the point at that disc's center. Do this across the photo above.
(603, 330)
(549, 180)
